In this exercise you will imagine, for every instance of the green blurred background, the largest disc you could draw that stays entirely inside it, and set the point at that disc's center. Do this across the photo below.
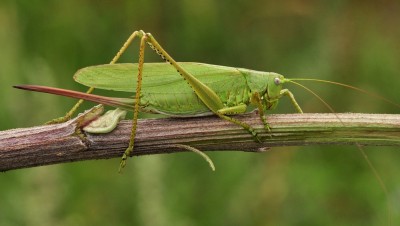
(44, 42)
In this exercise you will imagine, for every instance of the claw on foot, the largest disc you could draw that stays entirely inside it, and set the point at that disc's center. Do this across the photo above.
(255, 135)
(122, 163)
(268, 130)
(58, 120)
(125, 156)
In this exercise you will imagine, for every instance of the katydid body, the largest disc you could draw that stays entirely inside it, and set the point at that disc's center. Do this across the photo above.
(164, 93)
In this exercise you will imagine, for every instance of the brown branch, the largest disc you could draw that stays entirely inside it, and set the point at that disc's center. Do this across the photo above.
(52, 144)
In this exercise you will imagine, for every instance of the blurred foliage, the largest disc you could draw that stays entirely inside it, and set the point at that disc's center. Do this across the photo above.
(45, 42)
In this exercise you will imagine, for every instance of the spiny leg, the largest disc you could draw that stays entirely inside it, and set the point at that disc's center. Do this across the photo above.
(131, 145)
(69, 114)
(206, 95)
(124, 47)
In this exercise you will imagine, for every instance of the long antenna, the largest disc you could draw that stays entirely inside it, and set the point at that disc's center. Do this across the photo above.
(359, 147)
(318, 97)
(350, 87)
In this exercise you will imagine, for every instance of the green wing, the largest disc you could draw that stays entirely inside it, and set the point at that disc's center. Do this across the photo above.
(123, 77)
(163, 89)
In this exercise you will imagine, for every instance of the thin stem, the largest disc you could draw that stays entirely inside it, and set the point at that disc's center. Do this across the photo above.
(53, 144)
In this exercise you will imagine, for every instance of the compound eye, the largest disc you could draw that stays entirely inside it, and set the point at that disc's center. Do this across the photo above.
(277, 81)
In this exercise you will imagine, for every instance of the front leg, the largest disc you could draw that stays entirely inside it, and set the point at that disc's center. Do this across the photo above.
(286, 92)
